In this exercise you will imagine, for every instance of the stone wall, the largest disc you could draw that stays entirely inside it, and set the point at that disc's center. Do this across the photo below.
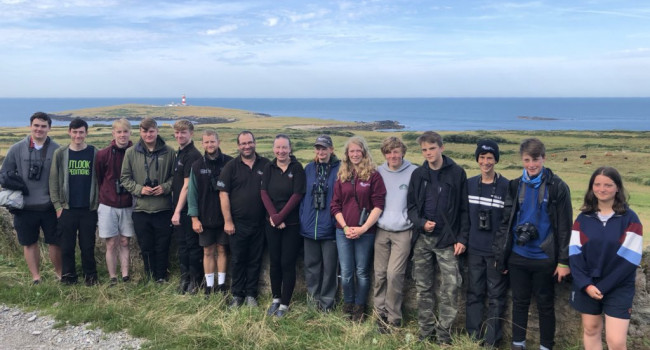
(568, 320)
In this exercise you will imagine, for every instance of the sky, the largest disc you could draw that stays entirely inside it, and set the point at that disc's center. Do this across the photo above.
(303, 48)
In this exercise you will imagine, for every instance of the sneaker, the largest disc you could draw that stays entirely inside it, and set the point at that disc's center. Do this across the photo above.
(208, 290)
(517, 347)
(183, 285)
(161, 281)
(91, 281)
(126, 278)
(221, 288)
(112, 282)
(236, 302)
(358, 313)
(36, 282)
(193, 287)
(281, 312)
(251, 301)
(273, 309)
(382, 325)
(347, 310)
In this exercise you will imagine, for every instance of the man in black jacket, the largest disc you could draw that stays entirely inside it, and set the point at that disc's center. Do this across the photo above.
(437, 206)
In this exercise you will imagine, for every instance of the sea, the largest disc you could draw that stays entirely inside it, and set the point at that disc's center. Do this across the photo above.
(415, 114)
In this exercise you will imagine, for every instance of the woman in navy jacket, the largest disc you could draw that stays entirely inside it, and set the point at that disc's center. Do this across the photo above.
(317, 225)
(604, 253)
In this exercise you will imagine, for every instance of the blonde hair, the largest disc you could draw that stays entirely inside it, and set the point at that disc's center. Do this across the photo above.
(122, 123)
(183, 124)
(365, 168)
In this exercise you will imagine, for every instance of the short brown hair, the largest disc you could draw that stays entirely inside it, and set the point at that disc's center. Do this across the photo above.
(210, 132)
(430, 137)
(183, 124)
(148, 123)
(392, 142)
(533, 147)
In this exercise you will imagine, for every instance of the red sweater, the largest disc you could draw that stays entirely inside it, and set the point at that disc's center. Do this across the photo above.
(108, 166)
(370, 194)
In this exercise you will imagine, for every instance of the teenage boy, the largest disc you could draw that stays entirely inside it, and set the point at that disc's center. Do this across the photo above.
(147, 174)
(115, 203)
(73, 191)
(393, 239)
(204, 207)
(486, 194)
(437, 206)
(239, 188)
(189, 251)
(532, 243)
(31, 159)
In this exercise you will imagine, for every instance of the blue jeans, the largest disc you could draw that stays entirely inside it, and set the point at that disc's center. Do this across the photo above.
(355, 256)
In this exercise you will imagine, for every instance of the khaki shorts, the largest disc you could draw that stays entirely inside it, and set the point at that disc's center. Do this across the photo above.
(114, 221)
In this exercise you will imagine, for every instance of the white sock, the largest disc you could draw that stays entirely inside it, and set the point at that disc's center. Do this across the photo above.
(276, 301)
(209, 279)
(222, 277)
(283, 307)
(519, 343)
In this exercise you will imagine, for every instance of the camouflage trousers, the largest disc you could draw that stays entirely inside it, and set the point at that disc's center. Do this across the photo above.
(425, 256)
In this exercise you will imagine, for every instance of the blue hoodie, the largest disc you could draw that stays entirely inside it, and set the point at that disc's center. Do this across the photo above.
(318, 224)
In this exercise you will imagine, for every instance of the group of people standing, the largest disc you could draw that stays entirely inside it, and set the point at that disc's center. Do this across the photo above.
(348, 215)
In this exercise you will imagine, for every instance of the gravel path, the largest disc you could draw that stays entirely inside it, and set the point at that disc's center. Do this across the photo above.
(28, 330)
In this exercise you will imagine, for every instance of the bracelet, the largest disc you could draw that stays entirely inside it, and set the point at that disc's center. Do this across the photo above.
(562, 265)
(345, 228)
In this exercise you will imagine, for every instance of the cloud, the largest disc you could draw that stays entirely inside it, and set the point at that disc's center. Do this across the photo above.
(271, 22)
(222, 29)
(299, 17)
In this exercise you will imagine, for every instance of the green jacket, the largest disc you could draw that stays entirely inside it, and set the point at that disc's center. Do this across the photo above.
(59, 183)
(160, 166)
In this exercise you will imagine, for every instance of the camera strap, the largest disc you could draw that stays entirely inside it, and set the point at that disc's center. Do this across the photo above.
(43, 151)
(521, 194)
(494, 189)
(354, 189)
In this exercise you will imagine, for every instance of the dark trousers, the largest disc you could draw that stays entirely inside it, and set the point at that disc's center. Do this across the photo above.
(246, 247)
(154, 231)
(484, 281)
(284, 246)
(75, 223)
(190, 253)
(321, 263)
(532, 277)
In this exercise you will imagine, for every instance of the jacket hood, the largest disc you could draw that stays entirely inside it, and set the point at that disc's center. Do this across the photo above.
(142, 148)
(404, 166)
(446, 162)
(114, 145)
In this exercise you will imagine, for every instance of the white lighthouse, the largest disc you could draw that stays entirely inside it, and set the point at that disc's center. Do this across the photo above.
(183, 100)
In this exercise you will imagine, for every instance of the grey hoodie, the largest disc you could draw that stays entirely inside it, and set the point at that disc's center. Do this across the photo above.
(18, 158)
(395, 215)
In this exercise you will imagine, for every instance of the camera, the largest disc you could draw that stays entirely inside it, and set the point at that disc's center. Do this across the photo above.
(118, 187)
(484, 219)
(363, 217)
(151, 183)
(34, 172)
(525, 233)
